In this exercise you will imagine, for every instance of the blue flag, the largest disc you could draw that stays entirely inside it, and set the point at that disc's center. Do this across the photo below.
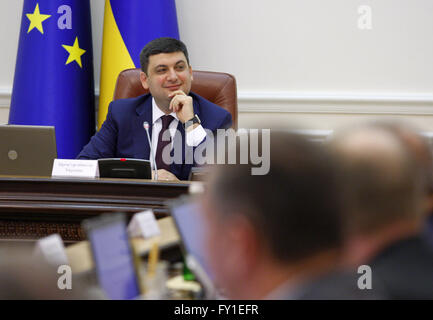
(53, 83)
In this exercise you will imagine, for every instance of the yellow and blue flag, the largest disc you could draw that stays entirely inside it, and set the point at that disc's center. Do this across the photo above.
(53, 82)
(128, 27)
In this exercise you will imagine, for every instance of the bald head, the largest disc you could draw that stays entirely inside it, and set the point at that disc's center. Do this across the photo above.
(418, 147)
(375, 148)
(380, 177)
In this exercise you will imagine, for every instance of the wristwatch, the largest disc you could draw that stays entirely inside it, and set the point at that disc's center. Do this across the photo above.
(191, 122)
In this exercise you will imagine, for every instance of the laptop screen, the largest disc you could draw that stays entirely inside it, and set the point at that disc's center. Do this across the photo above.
(191, 226)
(112, 256)
(27, 150)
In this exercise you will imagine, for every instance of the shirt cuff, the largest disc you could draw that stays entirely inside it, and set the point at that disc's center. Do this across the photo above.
(195, 136)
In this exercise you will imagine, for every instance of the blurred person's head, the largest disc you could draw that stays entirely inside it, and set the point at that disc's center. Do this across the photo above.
(265, 229)
(26, 279)
(25, 276)
(383, 185)
(420, 149)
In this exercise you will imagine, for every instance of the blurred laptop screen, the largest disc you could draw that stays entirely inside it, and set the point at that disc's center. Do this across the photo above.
(191, 226)
(112, 256)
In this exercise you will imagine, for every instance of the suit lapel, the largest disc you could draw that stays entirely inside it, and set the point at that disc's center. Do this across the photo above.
(141, 145)
(195, 104)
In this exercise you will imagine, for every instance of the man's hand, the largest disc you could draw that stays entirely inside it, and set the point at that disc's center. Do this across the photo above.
(182, 105)
(164, 175)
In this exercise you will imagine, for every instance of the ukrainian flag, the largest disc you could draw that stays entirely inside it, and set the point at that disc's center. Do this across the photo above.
(53, 82)
(128, 26)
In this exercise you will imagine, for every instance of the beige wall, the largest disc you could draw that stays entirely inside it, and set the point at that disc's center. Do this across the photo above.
(325, 121)
(301, 62)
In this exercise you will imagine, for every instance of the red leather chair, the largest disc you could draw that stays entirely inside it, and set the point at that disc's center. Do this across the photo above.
(217, 87)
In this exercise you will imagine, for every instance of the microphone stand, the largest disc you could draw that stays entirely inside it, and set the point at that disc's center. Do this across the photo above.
(146, 127)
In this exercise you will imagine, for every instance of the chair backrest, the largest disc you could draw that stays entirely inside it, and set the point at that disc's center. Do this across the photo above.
(217, 87)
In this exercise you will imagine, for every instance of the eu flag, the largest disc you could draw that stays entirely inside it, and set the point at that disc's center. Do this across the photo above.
(53, 83)
(128, 27)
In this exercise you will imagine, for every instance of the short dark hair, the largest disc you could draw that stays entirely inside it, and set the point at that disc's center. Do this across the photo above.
(161, 45)
(295, 207)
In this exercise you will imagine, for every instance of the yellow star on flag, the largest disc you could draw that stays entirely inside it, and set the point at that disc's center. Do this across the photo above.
(36, 19)
(75, 52)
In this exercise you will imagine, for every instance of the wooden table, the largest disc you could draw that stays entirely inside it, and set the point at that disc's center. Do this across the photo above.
(34, 207)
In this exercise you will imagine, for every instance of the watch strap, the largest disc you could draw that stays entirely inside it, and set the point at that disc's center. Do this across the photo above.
(191, 122)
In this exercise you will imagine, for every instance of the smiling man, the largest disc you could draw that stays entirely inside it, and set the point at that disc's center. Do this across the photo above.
(170, 108)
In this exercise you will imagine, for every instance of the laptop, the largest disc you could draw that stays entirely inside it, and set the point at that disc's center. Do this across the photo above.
(27, 150)
(112, 256)
(190, 224)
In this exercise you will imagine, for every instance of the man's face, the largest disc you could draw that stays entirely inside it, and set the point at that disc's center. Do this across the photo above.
(167, 72)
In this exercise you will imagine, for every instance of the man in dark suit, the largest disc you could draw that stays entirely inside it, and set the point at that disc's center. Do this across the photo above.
(384, 190)
(177, 117)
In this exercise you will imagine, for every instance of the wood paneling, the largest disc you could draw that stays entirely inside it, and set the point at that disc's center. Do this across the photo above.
(33, 207)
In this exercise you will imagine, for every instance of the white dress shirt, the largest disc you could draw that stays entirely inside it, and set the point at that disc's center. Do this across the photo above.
(193, 137)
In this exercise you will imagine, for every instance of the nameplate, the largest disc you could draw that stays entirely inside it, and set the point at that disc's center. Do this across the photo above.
(67, 168)
(51, 248)
(143, 224)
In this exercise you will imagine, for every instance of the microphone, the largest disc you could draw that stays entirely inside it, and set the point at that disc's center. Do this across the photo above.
(146, 127)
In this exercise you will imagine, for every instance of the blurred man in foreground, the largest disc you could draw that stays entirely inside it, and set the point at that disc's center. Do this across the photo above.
(276, 236)
(384, 192)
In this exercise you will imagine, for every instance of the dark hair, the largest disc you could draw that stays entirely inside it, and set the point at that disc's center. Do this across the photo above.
(161, 45)
(295, 207)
